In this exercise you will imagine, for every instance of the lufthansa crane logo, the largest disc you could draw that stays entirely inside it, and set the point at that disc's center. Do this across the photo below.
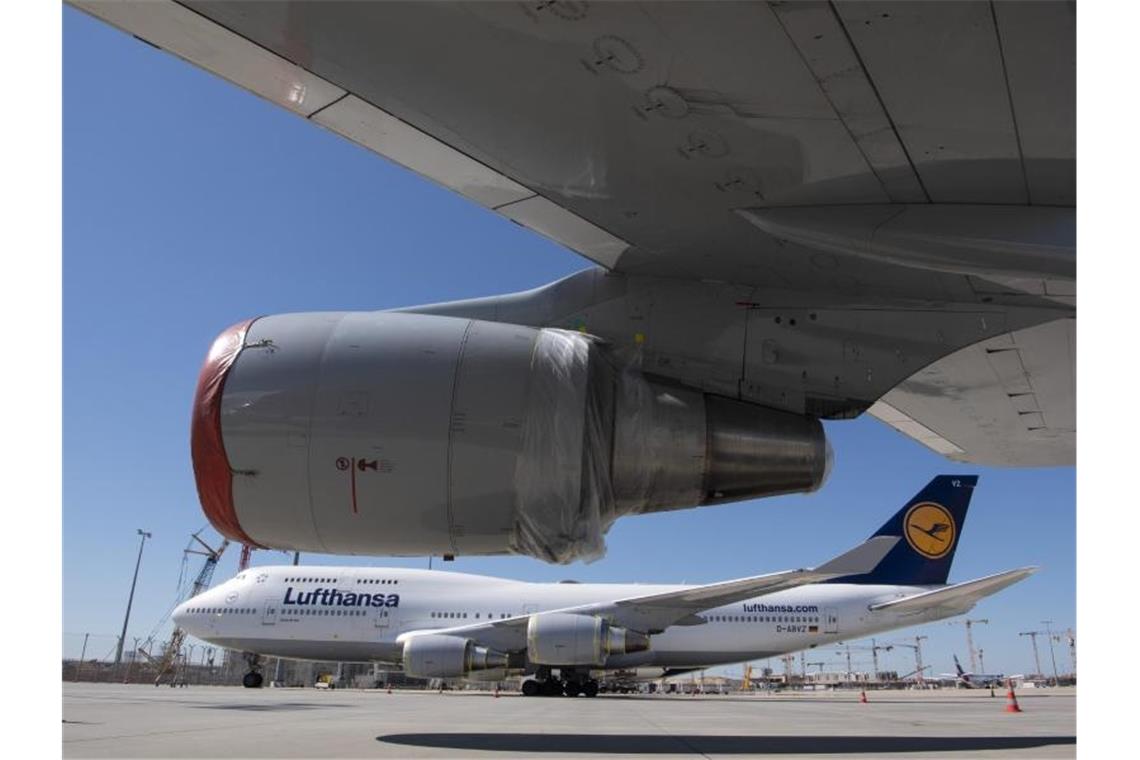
(930, 529)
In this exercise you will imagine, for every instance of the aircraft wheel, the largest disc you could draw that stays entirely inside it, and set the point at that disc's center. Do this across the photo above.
(590, 688)
(252, 680)
(530, 688)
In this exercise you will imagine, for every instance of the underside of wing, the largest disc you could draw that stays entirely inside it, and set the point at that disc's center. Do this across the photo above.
(1009, 401)
(848, 191)
(658, 137)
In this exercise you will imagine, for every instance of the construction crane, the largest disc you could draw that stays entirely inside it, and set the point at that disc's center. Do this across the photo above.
(874, 649)
(243, 560)
(167, 662)
(970, 639)
(1072, 649)
(1033, 637)
(789, 662)
(918, 666)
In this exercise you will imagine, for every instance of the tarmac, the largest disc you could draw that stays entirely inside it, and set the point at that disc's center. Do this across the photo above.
(112, 720)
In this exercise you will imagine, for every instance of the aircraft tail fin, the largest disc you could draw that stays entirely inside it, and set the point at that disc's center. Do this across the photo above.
(958, 667)
(930, 525)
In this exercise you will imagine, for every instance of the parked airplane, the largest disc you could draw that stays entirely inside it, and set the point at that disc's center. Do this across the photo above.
(450, 625)
(796, 212)
(978, 680)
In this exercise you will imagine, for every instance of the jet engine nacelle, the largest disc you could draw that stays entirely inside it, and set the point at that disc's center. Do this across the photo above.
(562, 638)
(441, 656)
(413, 434)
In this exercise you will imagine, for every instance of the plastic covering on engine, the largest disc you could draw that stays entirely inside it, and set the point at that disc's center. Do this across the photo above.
(564, 498)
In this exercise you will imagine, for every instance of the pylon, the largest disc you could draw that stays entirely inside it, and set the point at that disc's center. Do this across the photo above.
(863, 697)
(1011, 700)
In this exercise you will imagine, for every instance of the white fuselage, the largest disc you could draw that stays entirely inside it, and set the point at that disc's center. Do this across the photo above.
(292, 612)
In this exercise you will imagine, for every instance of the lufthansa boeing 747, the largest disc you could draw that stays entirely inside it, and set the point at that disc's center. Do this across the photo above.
(436, 624)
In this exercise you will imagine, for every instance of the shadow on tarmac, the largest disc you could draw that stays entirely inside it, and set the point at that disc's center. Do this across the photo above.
(653, 744)
(271, 706)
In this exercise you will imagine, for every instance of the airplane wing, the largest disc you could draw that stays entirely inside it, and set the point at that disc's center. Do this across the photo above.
(958, 598)
(656, 612)
(829, 148)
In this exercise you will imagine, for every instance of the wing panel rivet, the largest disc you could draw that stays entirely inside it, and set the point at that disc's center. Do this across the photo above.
(617, 54)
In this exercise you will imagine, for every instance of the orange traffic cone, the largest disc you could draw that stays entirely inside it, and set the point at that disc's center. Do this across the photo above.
(1011, 700)
(863, 697)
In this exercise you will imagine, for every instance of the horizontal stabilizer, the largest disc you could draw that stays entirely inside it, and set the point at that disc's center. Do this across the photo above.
(960, 596)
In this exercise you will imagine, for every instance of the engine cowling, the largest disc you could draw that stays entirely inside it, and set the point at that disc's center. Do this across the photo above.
(413, 434)
(561, 638)
(441, 656)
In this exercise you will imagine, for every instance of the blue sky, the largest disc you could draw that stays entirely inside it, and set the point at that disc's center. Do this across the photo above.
(190, 204)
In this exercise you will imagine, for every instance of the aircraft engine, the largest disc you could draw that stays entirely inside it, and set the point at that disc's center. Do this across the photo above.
(563, 638)
(413, 434)
(441, 656)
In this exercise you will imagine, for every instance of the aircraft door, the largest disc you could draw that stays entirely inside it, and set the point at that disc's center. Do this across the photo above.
(269, 612)
(830, 620)
(381, 618)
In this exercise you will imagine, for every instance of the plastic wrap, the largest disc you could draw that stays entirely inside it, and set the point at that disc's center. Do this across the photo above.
(564, 500)
(212, 473)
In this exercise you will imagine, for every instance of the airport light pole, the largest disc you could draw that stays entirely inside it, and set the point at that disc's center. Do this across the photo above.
(1036, 660)
(131, 598)
(1052, 655)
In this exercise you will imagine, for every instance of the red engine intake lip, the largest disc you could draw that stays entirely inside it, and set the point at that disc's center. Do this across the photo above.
(212, 472)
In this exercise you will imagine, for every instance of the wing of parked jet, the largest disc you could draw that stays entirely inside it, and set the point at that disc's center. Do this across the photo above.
(958, 598)
(834, 150)
(654, 613)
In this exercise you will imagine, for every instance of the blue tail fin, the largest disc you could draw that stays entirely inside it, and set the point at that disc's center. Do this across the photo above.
(958, 667)
(930, 525)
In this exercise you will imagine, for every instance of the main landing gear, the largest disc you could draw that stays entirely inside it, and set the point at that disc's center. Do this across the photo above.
(252, 679)
(556, 687)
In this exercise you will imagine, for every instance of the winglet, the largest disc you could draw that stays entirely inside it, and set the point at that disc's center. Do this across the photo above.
(862, 559)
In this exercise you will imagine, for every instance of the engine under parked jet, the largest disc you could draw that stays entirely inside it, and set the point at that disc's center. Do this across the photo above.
(797, 214)
(435, 624)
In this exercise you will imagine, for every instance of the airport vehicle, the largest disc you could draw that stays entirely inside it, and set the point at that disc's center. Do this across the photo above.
(449, 625)
(797, 211)
(978, 680)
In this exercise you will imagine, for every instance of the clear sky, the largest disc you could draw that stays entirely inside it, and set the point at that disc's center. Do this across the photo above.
(190, 204)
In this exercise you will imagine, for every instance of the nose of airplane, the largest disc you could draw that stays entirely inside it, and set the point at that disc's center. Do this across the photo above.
(181, 615)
